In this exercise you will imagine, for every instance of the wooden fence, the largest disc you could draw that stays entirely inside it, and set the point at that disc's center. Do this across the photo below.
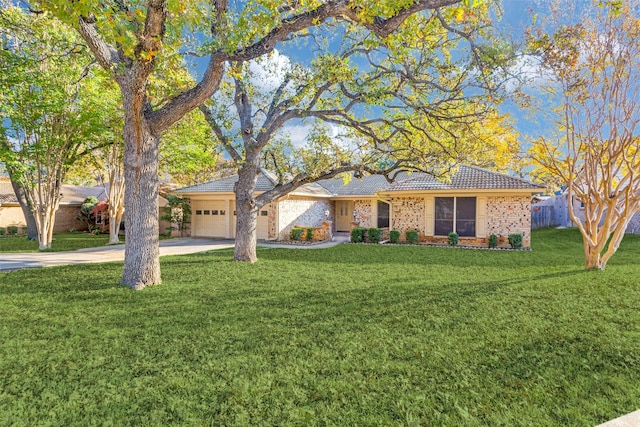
(542, 217)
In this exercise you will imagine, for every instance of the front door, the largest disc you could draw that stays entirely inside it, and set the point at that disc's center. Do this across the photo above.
(344, 215)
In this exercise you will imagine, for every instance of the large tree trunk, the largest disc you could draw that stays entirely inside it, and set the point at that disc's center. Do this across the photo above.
(141, 262)
(32, 228)
(246, 214)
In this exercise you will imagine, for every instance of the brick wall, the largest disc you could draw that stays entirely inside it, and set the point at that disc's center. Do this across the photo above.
(509, 214)
(504, 215)
(364, 213)
(65, 218)
(300, 211)
(11, 216)
(408, 213)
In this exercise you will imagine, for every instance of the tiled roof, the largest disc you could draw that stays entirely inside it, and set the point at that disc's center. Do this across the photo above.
(312, 189)
(225, 185)
(366, 186)
(71, 194)
(466, 178)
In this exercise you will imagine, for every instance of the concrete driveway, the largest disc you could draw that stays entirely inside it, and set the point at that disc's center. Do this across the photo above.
(15, 261)
(181, 246)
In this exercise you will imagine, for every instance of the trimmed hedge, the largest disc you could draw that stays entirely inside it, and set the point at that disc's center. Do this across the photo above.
(515, 240)
(493, 241)
(452, 240)
(296, 233)
(358, 235)
(373, 235)
(411, 236)
(394, 236)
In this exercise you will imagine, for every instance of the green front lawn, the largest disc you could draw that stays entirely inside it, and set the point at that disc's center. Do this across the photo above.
(352, 335)
(61, 242)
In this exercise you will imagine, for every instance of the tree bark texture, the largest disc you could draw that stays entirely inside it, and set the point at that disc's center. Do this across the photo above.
(32, 228)
(246, 214)
(142, 262)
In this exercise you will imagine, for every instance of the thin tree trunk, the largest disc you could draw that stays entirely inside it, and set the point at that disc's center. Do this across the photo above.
(32, 228)
(115, 220)
(142, 262)
(592, 256)
(246, 214)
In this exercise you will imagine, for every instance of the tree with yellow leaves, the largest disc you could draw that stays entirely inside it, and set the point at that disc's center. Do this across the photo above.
(129, 38)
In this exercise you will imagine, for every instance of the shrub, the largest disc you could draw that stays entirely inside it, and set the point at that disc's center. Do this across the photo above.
(96, 231)
(373, 235)
(296, 234)
(394, 236)
(493, 241)
(411, 236)
(309, 235)
(453, 239)
(515, 240)
(357, 235)
(73, 230)
(12, 230)
(3, 231)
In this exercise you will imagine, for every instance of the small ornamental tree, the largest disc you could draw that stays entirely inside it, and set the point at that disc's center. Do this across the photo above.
(86, 211)
(595, 65)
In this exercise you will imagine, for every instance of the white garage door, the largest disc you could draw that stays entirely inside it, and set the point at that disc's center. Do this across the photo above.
(210, 218)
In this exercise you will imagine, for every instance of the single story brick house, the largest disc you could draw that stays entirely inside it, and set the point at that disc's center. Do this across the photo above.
(66, 216)
(475, 204)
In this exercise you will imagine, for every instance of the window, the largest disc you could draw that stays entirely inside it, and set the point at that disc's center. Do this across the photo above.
(264, 213)
(198, 212)
(222, 212)
(383, 214)
(455, 214)
(207, 212)
(214, 212)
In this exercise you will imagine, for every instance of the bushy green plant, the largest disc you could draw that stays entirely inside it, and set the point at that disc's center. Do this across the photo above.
(493, 241)
(86, 211)
(177, 211)
(394, 236)
(309, 235)
(411, 236)
(515, 240)
(357, 235)
(295, 233)
(374, 234)
(3, 231)
(12, 230)
(452, 239)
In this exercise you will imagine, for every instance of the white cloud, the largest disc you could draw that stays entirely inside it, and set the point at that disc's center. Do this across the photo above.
(267, 73)
(297, 134)
(529, 73)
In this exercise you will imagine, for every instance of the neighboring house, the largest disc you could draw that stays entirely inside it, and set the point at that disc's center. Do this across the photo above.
(558, 211)
(66, 216)
(101, 214)
(475, 204)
